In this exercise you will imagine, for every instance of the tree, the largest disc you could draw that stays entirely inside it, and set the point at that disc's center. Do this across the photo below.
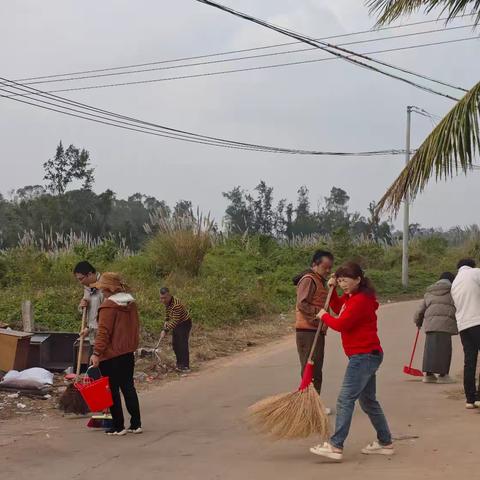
(238, 215)
(183, 208)
(263, 209)
(29, 192)
(451, 147)
(66, 166)
(305, 222)
(335, 214)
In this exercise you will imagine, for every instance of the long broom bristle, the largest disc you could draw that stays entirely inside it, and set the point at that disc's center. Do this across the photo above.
(72, 401)
(291, 415)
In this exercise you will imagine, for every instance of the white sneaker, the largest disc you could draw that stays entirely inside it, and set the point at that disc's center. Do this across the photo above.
(113, 433)
(375, 448)
(135, 430)
(446, 379)
(429, 379)
(326, 450)
(471, 406)
(477, 403)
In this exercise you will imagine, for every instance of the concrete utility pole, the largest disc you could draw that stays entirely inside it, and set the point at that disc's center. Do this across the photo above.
(406, 207)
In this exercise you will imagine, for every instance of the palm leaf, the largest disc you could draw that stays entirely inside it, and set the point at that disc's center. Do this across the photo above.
(390, 10)
(447, 151)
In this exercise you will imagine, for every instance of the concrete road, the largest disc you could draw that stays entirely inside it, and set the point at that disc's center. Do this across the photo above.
(194, 427)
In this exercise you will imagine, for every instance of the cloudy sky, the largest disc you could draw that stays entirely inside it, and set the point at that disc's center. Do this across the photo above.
(329, 105)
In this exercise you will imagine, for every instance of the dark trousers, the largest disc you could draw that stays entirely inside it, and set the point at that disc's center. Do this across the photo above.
(304, 345)
(180, 336)
(119, 371)
(471, 344)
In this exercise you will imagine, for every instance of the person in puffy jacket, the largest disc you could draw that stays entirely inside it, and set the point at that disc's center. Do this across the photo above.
(437, 316)
(115, 343)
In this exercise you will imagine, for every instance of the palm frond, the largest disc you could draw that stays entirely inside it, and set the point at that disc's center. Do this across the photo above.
(390, 10)
(447, 151)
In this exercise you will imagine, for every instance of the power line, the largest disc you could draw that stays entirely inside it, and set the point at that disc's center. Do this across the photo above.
(231, 52)
(334, 50)
(81, 110)
(69, 78)
(247, 69)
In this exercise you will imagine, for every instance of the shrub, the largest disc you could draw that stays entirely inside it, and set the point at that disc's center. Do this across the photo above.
(180, 244)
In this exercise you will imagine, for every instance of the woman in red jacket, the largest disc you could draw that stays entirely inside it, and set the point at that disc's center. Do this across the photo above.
(357, 324)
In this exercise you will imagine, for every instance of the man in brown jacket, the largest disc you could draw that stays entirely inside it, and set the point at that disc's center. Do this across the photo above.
(115, 343)
(312, 291)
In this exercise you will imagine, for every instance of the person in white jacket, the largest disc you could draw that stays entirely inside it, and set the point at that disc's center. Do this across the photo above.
(466, 296)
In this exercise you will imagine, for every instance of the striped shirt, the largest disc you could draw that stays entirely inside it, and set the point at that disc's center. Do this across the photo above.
(175, 313)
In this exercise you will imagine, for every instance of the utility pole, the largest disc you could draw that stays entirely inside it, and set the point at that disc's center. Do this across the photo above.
(406, 207)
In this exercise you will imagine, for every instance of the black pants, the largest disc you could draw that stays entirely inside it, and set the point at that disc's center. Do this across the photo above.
(304, 344)
(471, 344)
(119, 370)
(180, 336)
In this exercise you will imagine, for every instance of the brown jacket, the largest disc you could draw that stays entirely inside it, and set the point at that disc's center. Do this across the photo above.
(311, 296)
(312, 292)
(118, 327)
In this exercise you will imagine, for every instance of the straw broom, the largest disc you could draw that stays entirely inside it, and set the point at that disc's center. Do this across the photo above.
(71, 400)
(296, 414)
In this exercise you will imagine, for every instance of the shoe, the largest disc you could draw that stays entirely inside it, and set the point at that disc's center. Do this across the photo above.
(326, 450)
(135, 430)
(429, 379)
(113, 432)
(446, 380)
(477, 403)
(183, 370)
(471, 406)
(375, 448)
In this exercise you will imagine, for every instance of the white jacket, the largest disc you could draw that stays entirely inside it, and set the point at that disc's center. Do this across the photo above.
(466, 296)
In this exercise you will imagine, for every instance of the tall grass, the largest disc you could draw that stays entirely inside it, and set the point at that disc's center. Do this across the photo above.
(223, 280)
(56, 243)
(180, 243)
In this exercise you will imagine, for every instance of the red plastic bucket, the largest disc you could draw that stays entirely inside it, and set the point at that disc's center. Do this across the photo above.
(96, 394)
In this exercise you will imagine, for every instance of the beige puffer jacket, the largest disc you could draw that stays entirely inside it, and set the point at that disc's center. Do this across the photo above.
(437, 311)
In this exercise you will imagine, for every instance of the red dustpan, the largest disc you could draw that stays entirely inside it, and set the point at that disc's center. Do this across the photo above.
(408, 369)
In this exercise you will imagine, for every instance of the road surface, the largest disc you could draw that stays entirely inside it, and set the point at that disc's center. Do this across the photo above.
(194, 427)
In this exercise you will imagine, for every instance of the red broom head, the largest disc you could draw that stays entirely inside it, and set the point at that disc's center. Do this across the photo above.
(307, 376)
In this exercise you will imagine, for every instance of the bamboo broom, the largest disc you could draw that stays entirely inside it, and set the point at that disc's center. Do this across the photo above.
(71, 400)
(296, 414)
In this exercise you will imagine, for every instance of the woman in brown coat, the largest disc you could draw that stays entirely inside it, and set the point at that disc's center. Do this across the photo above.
(116, 341)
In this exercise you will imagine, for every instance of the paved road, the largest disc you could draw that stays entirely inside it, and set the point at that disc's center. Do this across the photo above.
(194, 427)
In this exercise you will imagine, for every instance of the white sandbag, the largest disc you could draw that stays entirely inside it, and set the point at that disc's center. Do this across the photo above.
(30, 378)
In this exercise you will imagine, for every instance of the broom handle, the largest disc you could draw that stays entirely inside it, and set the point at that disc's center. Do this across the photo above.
(80, 346)
(414, 348)
(320, 325)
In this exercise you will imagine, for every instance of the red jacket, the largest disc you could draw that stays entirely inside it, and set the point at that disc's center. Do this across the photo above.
(357, 323)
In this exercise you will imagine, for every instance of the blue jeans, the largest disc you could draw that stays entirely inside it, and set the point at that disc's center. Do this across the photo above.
(360, 383)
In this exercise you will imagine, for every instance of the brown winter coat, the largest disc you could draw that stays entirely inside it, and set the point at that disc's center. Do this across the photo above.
(118, 329)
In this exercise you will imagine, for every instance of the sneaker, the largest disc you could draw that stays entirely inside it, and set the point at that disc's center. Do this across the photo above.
(183, 370)
(471, 406)
(327, 450)
(446, 379)
(135, 430)
(375, 448)
(429, 379)
(113, 432)
(477, 403)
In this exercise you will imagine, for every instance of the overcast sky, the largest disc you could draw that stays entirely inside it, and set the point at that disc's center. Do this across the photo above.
(328, 105)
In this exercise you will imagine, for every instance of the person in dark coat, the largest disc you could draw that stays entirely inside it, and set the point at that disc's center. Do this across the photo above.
(437, 316)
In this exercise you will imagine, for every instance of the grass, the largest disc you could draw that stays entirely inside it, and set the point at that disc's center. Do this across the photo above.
(233, 282)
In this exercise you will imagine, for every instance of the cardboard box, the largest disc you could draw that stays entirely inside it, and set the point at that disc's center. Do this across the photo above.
(14, 347)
